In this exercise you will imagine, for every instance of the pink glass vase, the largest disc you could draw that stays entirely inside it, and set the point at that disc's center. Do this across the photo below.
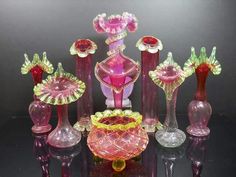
(60, 89)
(117, 136)
(169, 76)
(84, 49)
(40, 112)
(199, 110)
(117, 73)
(149, 47)
(41, 153)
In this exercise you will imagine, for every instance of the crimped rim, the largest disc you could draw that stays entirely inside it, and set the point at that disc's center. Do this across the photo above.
(117, 112)
(47, 95)
(142, 46)
(82, 54)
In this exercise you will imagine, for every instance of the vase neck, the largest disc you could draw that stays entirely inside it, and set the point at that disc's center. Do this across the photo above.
(116, 42)
(62, 113)
(170, 121)
(37, 74)
(201, 74)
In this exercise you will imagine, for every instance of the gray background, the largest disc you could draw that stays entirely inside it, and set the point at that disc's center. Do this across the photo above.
(36, 26)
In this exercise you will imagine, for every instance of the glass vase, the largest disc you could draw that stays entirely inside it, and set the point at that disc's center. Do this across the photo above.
(117, 73)
(149, 47)
(40, 112)
(84, 49)
(199, 110)
(61, 89)
(169, 76)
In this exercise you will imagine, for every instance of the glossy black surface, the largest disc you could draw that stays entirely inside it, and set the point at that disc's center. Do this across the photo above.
(23, 154)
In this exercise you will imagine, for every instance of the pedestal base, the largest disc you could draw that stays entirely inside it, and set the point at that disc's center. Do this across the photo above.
(83, 124)
(170, 139)
(64, 137)
(41, 129)
(126, 103)
(196, 131)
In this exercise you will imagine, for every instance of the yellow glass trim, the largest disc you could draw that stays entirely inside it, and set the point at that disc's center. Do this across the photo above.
(117, 112)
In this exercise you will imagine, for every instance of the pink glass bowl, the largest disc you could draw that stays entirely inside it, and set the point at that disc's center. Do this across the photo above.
(117, 136)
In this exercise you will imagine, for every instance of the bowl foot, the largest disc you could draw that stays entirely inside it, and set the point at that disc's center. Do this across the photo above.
(118, 165)
(41, 129)
(196, 131)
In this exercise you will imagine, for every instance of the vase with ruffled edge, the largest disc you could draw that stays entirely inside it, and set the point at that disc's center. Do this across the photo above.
(83, 49)
(199, 110)
(150, 48)
(117, 73)
(61, 89)
(40, 112)
(169, 76)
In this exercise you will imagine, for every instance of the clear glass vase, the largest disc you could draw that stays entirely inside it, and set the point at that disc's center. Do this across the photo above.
(169, 76)
(117, 73)
(83, 49)
(149, 47)
(199, 110)
(40, 112)
(61, 89)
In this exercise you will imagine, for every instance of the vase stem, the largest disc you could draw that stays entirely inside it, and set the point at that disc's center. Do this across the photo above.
(62, 112)
(170, 121)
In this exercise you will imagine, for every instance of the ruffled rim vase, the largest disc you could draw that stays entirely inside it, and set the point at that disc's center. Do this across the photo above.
(60, 89)
(199, 110)
(169, 76)
(40, 112)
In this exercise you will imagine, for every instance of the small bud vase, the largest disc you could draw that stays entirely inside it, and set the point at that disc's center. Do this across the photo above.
(199, 110)
(169, 76)
(60, 89)
(83, 49)
(40, 112)
(149, 47)
(117, 73)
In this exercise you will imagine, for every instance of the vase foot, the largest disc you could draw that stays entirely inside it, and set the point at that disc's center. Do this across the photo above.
(83, 124)
(118, 165)
(126, 103)
(170, 139)
(195, 131)
(64, 137)
(41, 129)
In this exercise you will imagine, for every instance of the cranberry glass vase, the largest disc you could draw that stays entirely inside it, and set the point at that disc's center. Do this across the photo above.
(117, 136)
(60, 89)
(118, 72)
(169, 76)
(40, 112)
(84, 49)
(199, 110)
(149, 47)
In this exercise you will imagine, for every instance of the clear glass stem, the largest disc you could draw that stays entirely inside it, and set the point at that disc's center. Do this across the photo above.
(170, 120)
(62, 113)
(118, 98)
(169, 168)
(84, 73)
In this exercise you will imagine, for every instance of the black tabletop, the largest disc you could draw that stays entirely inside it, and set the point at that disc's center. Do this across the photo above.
(23, 154)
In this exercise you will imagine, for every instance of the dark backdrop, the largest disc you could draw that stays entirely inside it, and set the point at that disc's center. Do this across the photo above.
(46, 25)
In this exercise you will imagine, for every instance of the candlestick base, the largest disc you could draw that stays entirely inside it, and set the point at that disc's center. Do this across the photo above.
(84, 124)
(170, 138)
(196, 131)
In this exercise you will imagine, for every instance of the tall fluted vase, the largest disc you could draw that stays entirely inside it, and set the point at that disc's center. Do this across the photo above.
(149, 47)
(169, 76)
(84, 49)
(199, 110)
(117, 73)
(40, 112)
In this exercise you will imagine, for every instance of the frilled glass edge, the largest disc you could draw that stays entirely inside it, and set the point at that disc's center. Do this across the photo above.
(83, 54)
(145, 47)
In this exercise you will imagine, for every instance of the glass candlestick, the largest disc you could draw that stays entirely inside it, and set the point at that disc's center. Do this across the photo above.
(41, 153)
(61, 89)
(149, 47)
(84, 49)
(39, 112)
(199, 110)
(169, 76)
(117, 73)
